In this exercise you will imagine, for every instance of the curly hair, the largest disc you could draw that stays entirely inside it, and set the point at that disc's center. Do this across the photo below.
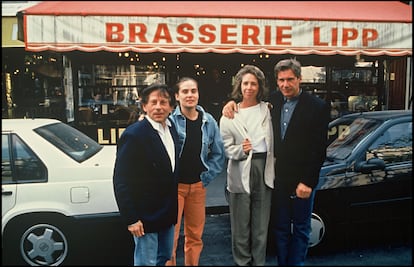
(236, 94)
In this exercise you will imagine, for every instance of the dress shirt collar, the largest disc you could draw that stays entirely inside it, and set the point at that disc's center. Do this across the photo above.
(158, 126)
(295, 98)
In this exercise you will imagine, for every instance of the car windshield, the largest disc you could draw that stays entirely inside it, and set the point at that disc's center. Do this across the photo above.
(343, 145)
(72, 142)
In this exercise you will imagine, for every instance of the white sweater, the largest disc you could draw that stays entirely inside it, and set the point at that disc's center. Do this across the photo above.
(233, 132)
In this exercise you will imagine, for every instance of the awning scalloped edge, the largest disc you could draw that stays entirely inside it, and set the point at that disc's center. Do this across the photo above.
(172, 50)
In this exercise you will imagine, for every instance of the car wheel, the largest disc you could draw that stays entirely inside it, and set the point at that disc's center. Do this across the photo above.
(43, 244)
(318, 230)
(38, 243)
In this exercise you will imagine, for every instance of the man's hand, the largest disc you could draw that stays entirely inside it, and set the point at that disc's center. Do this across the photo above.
(229, 109)
(137, 229)
(303, 191)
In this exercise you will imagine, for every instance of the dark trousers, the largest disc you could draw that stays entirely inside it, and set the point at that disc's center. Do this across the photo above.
(291, 226)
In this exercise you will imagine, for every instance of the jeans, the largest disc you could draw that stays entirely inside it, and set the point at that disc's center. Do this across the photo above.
(154, 249)
(291, 226)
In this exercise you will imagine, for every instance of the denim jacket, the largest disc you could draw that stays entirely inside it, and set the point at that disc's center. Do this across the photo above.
(212, 148)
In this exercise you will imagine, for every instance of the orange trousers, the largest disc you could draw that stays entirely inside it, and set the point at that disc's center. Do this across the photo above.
(191, 206)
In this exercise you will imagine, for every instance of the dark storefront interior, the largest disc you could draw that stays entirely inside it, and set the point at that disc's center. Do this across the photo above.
(40, 88)
(106, 95)
(32, 85)
(90, 76)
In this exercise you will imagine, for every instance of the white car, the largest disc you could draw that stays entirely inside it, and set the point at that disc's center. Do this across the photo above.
(55, 180)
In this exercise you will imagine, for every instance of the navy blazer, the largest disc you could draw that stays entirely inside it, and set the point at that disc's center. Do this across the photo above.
(299, 157)
(144, 184)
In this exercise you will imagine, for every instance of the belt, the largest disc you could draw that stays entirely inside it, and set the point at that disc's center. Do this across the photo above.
(261, 155)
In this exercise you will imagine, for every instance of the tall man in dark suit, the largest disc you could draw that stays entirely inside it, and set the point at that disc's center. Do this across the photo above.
(145, 181)
(300, 125)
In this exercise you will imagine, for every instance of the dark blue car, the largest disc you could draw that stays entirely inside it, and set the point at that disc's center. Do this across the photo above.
(367, 176)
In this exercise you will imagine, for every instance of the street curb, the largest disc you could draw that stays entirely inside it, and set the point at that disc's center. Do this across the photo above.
(212, 210)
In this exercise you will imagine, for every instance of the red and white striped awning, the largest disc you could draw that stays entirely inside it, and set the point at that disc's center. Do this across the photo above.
(370, 28)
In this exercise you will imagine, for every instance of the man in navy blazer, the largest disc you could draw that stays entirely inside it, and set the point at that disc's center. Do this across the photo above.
(300, 123)
(145, 181)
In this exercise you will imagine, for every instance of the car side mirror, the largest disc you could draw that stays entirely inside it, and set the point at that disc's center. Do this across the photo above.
(370, 165)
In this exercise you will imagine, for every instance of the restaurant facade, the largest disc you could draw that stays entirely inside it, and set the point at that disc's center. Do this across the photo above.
(85, 62)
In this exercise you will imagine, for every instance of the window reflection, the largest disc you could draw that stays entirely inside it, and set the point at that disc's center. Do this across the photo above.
(394, 145)
(110, 94)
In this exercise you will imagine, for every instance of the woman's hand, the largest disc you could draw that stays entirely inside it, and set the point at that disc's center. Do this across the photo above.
(247, 146)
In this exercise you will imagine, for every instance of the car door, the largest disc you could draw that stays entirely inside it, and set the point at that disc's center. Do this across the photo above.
(20, 167)
(8, 187)
(383, 179)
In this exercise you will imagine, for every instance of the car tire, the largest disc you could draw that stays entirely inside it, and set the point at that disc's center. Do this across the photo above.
(37, 240)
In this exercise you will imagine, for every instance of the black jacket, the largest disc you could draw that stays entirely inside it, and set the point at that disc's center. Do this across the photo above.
(299, 157)
(145, 186)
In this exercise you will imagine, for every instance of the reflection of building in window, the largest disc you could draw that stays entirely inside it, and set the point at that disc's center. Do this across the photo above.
(86, 115)
(26, 165)
(6, 173)
(312, 74)
(110, 94)
(152, 78)
(394, 145)
(390, 155)
(361, 75)
(362, 103)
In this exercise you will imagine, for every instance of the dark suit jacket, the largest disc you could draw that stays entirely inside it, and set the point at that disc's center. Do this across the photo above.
(300, 155)
(145, 186)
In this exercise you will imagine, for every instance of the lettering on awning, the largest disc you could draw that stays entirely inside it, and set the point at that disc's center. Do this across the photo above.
(220, 35)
